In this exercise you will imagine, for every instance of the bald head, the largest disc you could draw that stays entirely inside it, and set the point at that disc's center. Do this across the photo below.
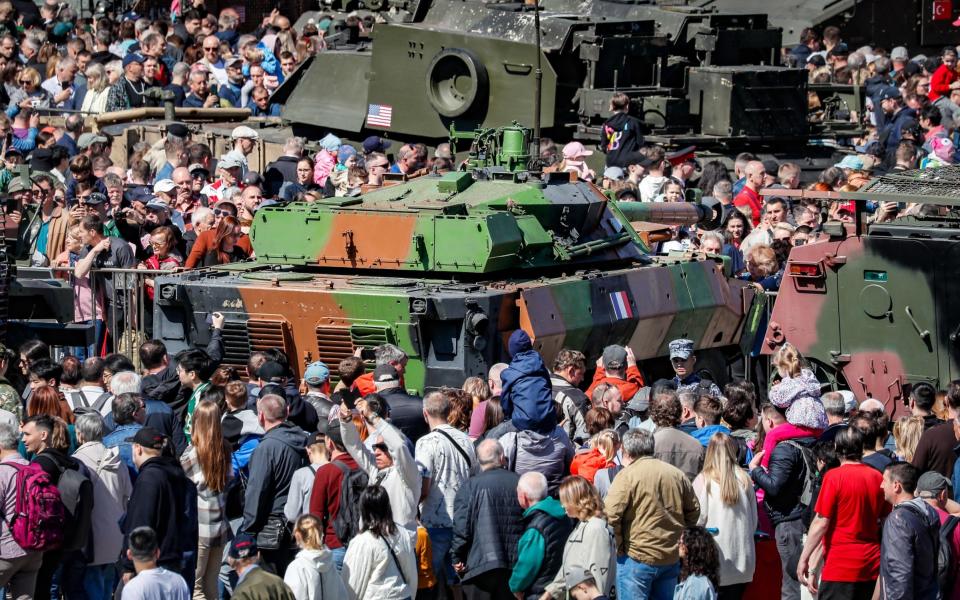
(754, 173)
(871, 405)
(496, 386)
(490, 454)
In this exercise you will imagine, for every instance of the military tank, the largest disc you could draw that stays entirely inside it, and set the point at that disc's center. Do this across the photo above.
(447, 266)
(872, 305)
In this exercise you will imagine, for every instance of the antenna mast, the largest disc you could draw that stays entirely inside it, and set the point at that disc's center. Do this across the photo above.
(538, 83)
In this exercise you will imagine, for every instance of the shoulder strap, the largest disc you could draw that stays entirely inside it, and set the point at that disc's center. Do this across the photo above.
(101, 401)
(395, 561)
(79, 400)
(313, 469)
(462, 452)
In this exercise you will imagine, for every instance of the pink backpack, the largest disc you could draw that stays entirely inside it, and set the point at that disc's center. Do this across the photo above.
(38, 520)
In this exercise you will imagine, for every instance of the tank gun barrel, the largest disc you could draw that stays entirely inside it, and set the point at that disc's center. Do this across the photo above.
(670, 213)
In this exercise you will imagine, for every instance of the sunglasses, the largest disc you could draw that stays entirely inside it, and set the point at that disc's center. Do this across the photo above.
(219, 212)
(26, 82)
(210, 49)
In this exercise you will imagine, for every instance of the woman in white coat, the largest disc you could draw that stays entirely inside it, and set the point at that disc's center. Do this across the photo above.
(728, 506)
(380, 563)
(312, 574)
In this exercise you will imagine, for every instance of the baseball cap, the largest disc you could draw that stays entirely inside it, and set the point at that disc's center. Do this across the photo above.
(272, 371)
(178, 130)
(932, 483)
(613, 173)
(385, 374)
(375, 144)
(133, 57)
(242, 132)
(148, 437)
(315, 438)
(197, 167)
(233, 62)
(681, 349)
(614, 357)
(575, 576)
(840, 49)
(575, 150)
(851, 161)
(899, 53)
(316, 373)
(849, 401)
(227, 161)
(244, 545)
(889, 93)
(16, 185)
(641, 400)
(157, 204)
(95, 198)
(817, 60)
(87, 139)
(164, 185)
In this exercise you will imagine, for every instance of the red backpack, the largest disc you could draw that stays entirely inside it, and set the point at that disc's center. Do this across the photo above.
(38, 520)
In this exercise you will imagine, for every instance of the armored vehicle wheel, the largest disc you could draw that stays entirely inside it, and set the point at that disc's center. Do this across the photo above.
(456, 82)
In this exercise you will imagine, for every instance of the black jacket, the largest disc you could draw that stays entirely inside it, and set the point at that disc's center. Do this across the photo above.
(909, 547)
(165, 385)
(487, 522)
(302, 413)
(406, 413)
(280, 453)
(782, 481)
(279, 171)
(161, 500)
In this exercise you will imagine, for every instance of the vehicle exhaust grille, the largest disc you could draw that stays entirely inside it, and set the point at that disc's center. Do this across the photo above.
(241, 339)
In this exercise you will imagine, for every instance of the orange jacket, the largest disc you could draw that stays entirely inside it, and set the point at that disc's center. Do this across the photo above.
(628, 387)
(586, 464)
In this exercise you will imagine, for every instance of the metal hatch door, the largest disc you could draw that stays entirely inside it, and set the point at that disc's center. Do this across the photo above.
(887, 315)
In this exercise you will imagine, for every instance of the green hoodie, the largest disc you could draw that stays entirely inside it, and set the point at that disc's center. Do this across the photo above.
(531, 547)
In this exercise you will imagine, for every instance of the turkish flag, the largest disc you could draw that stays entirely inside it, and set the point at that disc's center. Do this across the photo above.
(942, 10)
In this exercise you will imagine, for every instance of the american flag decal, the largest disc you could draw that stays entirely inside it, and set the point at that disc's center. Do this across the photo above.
(621, 305)
(379, 115)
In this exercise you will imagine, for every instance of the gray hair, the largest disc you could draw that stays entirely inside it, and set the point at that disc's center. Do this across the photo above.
(489, 454)
(114, 65)
(9, 436)
(533, 485)
(199, 215)
(834, 404)
(66, 63)
(227, 21)
(96, 71)
(712, 235)
(140, 25)
(388, 353)
(125, 407)
(90, 426)
(33, 42)
(687, 399)
(180, 70)
(437, 405)
(882, 64)
(637, 443)
(856, 60)
(722, 190)
(125, 382)
(294, 146)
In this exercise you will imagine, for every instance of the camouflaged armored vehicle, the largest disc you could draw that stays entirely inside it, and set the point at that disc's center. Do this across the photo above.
(447, 266)
(872, 305)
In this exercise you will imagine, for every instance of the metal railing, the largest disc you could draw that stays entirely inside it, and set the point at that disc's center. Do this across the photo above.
(117, 297)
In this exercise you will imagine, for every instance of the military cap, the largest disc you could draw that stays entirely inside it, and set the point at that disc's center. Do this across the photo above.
(681, 349)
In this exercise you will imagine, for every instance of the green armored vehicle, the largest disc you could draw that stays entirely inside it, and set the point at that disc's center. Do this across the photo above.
(448, 266)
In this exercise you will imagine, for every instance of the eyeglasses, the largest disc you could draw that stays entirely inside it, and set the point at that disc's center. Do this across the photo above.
(25, 82)
(158, 243)
(211, 49)
(219, 212)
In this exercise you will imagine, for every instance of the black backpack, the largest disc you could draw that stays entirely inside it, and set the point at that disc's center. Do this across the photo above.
(347, 522)
(810, 476)
(945, 558)
(76, 492)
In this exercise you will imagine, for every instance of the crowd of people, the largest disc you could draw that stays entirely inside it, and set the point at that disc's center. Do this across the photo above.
(186, 477)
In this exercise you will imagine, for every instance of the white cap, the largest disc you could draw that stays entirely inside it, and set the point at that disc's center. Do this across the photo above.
(899, 53)
(849, 401)
(244, 132)
(164, 185)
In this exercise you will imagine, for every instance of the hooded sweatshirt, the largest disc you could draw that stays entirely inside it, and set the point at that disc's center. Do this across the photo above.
(111, 492)
(278, 456)
(527, 397)
(164, 500)
(312, 576)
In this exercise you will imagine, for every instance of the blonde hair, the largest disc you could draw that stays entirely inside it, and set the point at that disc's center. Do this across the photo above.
(577, 493)
(32, 74)
(309, 532)
(720, 466)
(477, 388)
(787, 360)
(607, 442)
(764, 258)
(906, 434)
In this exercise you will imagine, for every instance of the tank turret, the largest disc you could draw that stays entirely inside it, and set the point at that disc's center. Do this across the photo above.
(493, 216)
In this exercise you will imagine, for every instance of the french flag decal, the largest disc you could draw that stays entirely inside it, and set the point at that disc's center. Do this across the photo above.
(621, 305)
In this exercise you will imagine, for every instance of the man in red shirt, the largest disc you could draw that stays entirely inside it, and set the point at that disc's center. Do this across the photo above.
(618, 367)
(749, 196)
(945, 77)
(850, 507)
(325, 496)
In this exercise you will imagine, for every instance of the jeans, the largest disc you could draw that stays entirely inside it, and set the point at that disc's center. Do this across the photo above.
(99, 581)
(789, 538)
(639, 581)
(338, 554)
(441, 538)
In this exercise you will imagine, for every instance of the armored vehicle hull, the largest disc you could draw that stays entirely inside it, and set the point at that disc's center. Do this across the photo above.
(873, 306)
(454, 330)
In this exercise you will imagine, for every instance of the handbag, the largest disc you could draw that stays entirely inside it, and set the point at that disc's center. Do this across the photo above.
(275, 534)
